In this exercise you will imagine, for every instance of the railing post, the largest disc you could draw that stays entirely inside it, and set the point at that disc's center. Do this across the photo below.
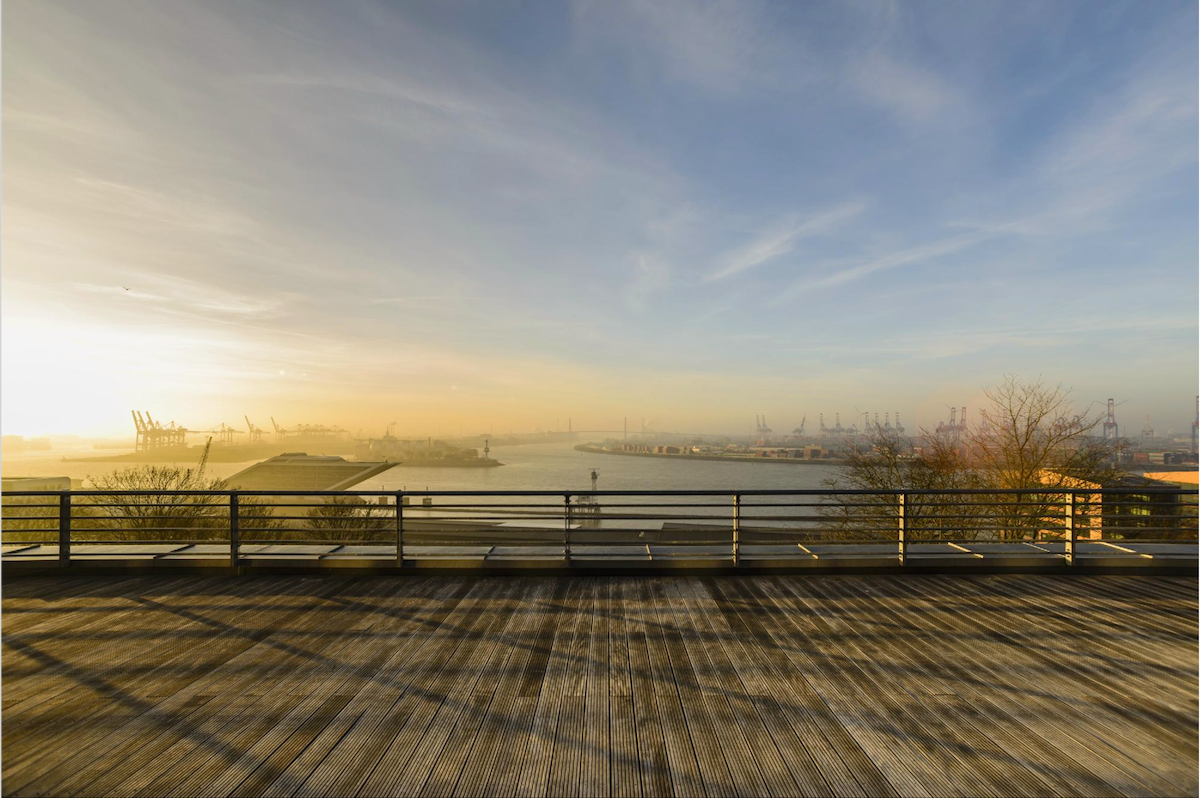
(900, 503)
(1069, 528)
(234, 535)
(64, 529)
(399, 529)
(737, 521)
(567, 526)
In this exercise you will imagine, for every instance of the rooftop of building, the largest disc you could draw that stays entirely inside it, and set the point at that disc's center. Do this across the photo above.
(301, 471)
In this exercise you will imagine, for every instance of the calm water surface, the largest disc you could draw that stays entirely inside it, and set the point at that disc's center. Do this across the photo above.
(553, 466)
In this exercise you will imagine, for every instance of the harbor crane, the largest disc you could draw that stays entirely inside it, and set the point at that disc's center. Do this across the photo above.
(224, 433)
(151, 434)
(256, 433)
(956, 428)
(1196, 426)
(1111, 431)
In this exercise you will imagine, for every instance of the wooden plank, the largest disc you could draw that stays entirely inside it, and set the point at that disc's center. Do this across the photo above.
(501, 679)
(928, 748)
(537, 758)
(1070, 773)
(618, 639)
(831, 685)
(813, 761)
(595, 773)
(452, 756)
(653, 764)
(758, 771)
(1091, 736)
(623, 750)
(347, 763)
(520, 733)
(566, 759)
(216, 746)
(841, 762)
(99, 736)
(1043, 724)
(507, 729)
(264, 763)
(435, 698)
(989, 762)
(834, 692)
(698, 725)
(356, 647)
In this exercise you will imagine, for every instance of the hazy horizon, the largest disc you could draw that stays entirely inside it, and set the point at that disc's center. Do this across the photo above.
(498, 217)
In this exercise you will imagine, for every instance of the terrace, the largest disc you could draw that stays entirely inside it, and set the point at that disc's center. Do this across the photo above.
(438, 684)
(263, 643)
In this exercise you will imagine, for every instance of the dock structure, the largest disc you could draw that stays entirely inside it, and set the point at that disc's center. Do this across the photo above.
(600, 685)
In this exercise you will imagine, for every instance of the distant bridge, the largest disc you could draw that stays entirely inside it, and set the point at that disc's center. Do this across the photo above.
(647, 432)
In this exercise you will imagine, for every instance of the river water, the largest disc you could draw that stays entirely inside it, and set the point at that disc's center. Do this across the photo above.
(549, 466)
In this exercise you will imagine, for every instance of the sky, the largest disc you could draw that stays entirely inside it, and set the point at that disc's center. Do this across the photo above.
(500, 216)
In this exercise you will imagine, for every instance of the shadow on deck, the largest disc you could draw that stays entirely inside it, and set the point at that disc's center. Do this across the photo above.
(600, 685)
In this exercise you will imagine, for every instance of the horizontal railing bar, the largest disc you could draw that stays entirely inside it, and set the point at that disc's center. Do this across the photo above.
(731, 492)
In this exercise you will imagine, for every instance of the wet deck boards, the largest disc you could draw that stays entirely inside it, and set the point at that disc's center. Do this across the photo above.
(600, 685)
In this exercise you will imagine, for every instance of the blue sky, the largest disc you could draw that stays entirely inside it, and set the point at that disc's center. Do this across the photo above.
(497, 215)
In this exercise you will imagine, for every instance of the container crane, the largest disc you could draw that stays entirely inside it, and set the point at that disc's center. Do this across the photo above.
(256, 433)
(1111, 431)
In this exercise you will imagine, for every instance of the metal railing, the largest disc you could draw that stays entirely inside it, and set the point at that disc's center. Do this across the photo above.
(600, 528)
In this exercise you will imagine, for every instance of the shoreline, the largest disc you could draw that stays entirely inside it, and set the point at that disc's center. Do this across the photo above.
(829, 461)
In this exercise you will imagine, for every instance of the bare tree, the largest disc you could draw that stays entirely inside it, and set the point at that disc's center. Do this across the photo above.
(350, 519)
(34, 519)
(1030, 437)
(893, 463)
(157, 512)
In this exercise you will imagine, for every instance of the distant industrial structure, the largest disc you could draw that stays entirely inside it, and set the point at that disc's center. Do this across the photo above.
(153, 434)
(161, 439)
(956, 428)
(869, 426)
(256, 433)
(1111, 431)
(761, 430)
(315, 432)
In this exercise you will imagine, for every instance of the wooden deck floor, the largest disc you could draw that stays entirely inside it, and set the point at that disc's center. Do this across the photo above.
(624, 686)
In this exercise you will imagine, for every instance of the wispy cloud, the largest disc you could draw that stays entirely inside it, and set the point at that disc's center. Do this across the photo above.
(782, 241)
(491, 195)
(904, 257)
(418, 299)
(651, 275)
(907, 89)
(180, 294)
